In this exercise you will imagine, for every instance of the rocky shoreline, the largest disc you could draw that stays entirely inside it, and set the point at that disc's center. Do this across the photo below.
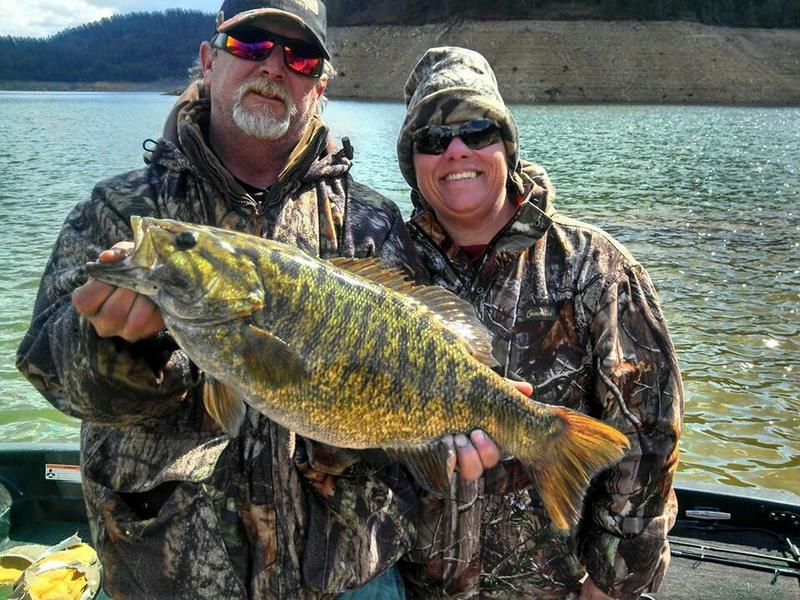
(562, 62)
(584, 61)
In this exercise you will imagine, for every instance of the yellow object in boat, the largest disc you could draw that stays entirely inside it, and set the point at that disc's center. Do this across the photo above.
(63, 583)
(67, 571)
(13, 561)
(10, 574)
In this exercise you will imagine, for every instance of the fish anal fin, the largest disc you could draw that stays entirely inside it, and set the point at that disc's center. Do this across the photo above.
(563, 470)
(427, 464)
(224, 405)
(270, 360)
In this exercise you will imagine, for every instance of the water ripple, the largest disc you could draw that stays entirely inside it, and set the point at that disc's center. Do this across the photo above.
(707, 198)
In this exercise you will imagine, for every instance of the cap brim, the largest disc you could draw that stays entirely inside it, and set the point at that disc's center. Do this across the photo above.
(262, 17)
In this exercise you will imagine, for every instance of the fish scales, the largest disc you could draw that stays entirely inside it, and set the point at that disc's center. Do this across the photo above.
(344, 365)
(448, 395)
(352, 356)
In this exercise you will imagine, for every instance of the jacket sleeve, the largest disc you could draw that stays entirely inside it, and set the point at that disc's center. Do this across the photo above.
(104, 380)
(375, 228)
(631, 507)
(399, 249)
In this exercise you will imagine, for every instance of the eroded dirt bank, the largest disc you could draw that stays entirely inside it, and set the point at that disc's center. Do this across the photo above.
(584, 61)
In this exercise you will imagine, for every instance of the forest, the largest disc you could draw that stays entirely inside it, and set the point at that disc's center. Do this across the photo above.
(135, 47)
(146, 47)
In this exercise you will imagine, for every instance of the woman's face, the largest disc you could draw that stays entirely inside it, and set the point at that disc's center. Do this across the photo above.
(463, 185)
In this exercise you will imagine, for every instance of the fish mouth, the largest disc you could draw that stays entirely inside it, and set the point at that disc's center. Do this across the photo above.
(132, 271)
(144, 253)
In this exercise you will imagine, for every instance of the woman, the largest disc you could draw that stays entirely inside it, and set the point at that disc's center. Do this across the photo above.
(571, 312)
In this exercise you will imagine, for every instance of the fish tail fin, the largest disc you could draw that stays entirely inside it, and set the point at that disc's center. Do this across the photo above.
(583, 447)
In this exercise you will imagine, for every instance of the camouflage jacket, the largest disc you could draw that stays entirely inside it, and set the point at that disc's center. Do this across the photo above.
(575, 315)
(177, 508)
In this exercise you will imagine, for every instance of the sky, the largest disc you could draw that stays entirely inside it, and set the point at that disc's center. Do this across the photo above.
(41, 18)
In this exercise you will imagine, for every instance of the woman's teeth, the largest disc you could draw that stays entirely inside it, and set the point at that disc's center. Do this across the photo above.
(464, 175)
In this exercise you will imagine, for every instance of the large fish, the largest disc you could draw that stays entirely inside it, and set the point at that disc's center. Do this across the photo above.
(351, 354)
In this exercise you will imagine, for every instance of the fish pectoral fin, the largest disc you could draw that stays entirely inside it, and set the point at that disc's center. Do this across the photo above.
(428, 465)
(270, 360)
(224, 405)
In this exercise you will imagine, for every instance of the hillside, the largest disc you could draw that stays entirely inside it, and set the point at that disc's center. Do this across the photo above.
(132, 48)
(537, 61)
(584, 61)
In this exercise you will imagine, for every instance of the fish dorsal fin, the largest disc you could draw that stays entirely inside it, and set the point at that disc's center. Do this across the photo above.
(459, 317)
(455, 313)
(377, 271)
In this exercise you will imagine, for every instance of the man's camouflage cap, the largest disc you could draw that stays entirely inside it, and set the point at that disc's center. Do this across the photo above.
(309, 14)
(451, 85)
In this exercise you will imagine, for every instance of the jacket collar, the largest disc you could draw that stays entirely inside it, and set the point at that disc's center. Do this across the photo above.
(187, 125)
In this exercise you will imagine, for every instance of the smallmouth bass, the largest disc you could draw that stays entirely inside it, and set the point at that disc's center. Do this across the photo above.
(349, 353)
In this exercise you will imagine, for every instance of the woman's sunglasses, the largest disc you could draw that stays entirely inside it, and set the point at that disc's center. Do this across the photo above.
(256, 44)
(435, 139)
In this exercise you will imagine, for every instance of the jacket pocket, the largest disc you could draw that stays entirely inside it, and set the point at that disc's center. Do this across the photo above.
(175, 550)
(151, 499)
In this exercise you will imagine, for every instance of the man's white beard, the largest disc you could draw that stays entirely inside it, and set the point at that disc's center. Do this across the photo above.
(263, 124)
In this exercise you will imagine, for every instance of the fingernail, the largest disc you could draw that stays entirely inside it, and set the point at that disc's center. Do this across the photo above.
(477, 436)
(461, 440)
(451, 448)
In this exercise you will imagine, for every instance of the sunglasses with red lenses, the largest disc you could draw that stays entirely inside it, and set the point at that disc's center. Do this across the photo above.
(435, 139)
(257, 44)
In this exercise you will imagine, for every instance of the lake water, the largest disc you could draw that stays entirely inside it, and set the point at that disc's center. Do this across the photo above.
(708, 198)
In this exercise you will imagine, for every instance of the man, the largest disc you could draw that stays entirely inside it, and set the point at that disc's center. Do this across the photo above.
(177, 508)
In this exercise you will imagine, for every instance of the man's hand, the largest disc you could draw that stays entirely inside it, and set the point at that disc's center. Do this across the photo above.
(471, 456)
(115, 311)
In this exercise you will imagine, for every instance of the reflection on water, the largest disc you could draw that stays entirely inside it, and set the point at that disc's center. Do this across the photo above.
(707, 198)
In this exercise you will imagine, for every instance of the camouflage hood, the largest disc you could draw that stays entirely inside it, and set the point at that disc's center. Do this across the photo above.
(450, 85)
(531, 182)
(186, 128)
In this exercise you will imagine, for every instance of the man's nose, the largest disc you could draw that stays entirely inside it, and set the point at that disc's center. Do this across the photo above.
(273, 66)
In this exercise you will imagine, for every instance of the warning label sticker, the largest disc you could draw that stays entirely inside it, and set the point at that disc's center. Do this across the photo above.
(62, 472)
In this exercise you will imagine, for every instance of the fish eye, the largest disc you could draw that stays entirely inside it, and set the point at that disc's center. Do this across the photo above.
(186, 240)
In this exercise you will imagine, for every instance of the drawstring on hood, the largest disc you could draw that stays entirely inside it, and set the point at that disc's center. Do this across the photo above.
(187, 126)
(451, 85)
(314, 158)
